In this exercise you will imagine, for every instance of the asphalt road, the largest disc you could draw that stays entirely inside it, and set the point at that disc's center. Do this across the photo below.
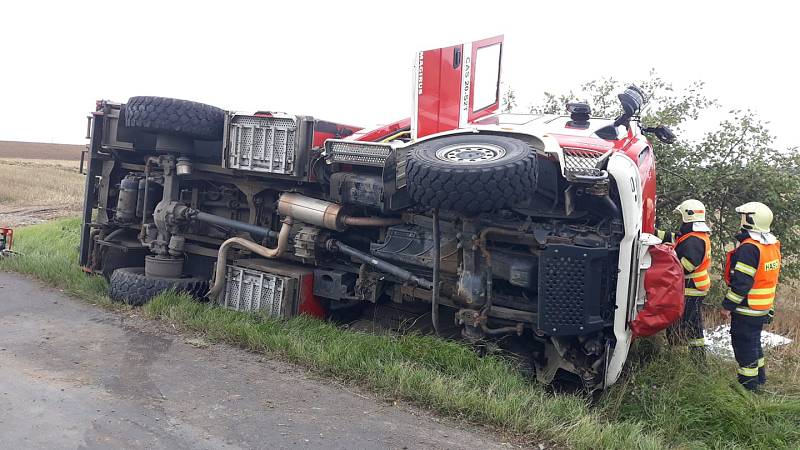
(73, 376)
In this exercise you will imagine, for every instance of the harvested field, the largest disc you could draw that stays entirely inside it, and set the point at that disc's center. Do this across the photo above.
(70, 164)
(39, 150)
(33, 191)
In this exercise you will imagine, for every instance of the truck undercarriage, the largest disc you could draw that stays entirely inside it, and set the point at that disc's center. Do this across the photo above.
(520, 237)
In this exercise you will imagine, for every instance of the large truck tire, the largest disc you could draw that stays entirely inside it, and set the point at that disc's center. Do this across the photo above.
(130, 285)
(472, 173)
(175, 117)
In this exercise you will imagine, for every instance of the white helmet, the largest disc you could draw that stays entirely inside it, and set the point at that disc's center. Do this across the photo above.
(756, 216)
(692, 211)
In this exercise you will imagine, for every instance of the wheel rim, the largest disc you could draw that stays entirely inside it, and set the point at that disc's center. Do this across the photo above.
(470, 153)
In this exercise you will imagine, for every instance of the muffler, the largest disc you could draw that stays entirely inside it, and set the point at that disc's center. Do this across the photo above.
(312, 211)
(326, 214)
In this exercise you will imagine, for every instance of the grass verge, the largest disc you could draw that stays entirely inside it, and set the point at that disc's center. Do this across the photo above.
(49, 252)
(667, 401)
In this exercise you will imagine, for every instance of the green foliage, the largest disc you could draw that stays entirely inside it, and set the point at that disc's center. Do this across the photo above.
(700, 405)
(733, 163)
(509, 101)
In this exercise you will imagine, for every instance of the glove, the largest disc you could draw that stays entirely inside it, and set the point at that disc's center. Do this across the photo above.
(770, 315)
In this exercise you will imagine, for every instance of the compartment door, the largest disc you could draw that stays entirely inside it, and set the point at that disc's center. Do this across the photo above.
(455, 86)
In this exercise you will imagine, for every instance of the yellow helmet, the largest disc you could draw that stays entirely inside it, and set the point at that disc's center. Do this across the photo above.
(756, 216)
(692, 211)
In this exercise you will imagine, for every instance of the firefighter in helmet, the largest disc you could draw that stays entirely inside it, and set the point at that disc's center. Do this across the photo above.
(751, 272)
(693, 247)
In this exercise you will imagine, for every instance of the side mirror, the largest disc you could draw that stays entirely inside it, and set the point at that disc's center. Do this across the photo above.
(663, 133)
(632, 100)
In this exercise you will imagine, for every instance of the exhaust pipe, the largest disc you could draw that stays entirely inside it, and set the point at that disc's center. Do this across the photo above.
(313, 211)
(266, 252)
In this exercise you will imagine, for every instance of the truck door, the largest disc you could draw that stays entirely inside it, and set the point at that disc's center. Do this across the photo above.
(455, 86)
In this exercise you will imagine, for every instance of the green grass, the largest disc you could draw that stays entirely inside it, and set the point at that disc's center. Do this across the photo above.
(49, 251)
(665, 402)
(700, 405)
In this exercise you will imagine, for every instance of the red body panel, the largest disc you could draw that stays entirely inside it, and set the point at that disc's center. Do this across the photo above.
(445, 87)
(381, 132)
(310, 304)
(439, 91)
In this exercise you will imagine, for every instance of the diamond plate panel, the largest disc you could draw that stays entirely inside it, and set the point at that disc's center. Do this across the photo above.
(262, 144)
(253, 290)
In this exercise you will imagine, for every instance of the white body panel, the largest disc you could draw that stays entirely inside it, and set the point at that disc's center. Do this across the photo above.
(626, 174)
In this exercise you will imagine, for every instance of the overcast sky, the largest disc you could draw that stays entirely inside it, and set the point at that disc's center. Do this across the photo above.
(351, 61)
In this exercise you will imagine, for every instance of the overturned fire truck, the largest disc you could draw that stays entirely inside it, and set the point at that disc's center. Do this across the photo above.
(526, 227)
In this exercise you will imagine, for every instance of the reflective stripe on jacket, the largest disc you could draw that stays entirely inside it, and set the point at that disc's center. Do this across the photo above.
(698, 281)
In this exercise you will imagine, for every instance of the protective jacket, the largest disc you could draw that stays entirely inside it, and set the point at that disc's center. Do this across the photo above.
(751, 272)
(694, 252)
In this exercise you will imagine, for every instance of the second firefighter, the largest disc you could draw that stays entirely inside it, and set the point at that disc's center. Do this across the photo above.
(693, 247)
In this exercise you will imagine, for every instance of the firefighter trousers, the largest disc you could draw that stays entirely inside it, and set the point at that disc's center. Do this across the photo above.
(746, 342)
(689, 329)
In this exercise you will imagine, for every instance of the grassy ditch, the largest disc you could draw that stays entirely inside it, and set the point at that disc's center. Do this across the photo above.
(49, 252)
(666, 402)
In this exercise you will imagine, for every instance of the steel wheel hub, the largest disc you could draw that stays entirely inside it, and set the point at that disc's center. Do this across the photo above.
(470, 153)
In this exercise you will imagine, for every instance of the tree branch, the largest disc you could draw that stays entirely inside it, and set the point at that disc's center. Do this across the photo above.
(671, 172)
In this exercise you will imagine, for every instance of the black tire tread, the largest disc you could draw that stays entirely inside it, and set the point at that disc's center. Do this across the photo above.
(175, 117)
(130, 285)
(471, 189)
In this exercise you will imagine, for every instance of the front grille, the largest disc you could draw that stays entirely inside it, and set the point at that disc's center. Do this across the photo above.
(571, 289)
(358, 153)
(262, 144)
(583, 162)
(253, 290)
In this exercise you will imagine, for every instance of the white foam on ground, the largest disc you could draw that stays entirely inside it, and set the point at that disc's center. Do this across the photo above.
(718, 340)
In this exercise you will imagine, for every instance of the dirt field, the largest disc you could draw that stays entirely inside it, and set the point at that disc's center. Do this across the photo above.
(38, 182)
(38, 150)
